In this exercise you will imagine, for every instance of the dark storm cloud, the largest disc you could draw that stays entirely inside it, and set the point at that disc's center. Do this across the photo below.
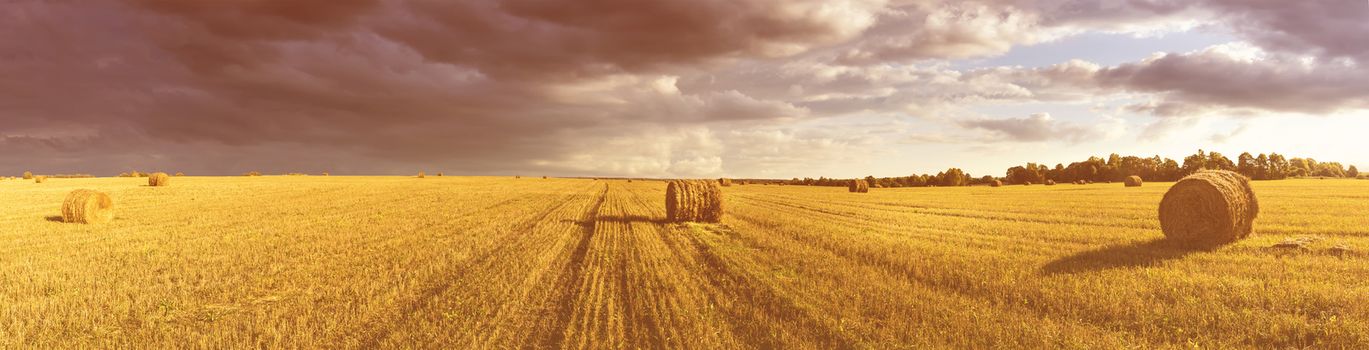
(1274, 82)
(502, 86)
(475, 85)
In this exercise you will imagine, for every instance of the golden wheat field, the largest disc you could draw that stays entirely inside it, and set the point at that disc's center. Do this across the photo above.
(486, 262)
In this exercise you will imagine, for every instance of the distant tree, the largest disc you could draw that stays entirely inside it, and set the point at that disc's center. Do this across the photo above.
(1299, 167)
(1245, 164)
(1195, 162)
(1352, 172)
(1216, 161)
(953, 177)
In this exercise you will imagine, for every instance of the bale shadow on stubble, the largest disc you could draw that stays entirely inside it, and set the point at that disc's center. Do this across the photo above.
(55, 218)
(1135, 254)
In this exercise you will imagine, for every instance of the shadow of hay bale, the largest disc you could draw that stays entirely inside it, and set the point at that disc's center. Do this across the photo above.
(1135, 254)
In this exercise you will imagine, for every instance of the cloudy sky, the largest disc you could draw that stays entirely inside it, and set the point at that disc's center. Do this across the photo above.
(688, 88)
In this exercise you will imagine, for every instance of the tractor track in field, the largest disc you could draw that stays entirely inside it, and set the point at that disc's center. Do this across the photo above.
(1010, 216)
(572, 275)
(445, 280)
(963, 288)
(854, 218)
(765, 298)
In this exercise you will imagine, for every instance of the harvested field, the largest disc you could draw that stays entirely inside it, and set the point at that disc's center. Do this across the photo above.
(491, 262)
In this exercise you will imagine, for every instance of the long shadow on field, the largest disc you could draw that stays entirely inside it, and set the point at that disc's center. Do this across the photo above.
(1136, 254)
(55, 218)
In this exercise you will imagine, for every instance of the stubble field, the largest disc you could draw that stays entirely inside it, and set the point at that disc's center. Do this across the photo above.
(485, 262)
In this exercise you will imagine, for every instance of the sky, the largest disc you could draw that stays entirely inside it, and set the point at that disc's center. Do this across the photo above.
(671, 88)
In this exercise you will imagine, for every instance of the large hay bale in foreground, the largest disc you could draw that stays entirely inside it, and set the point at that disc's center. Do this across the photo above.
(693, 200)
(87, 207)
(158, 180)
(858, 186)
(996, 183)
(1133, 181)
(1209, 208)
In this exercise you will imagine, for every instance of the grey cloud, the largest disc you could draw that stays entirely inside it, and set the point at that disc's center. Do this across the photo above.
(1037, 128)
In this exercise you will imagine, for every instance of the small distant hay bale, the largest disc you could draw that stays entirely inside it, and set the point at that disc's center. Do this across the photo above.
(326, 174)
(1050, 182)
(996, 183)
(40, 179)
(858, 186)
(1340, 250)
(1133, 181)
(725, 182)
(28, 175)
(158, 180)
(693, 200)
(422, 175)
(439, 174)
(1209, 208)
(183, 174)
(544, 177)
(87, 207)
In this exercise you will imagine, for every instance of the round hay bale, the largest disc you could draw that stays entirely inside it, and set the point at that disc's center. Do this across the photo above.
(422, 175)
(40, 179)
(158, 180)
(996, 183)
(1208, 209)
(87, 207)
(693, 200)
(858, 186)
(1050, 182)
(725, 182)
(28, 175)
(1133, 181)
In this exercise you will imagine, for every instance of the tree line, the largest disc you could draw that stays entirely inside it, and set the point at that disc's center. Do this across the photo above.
(1272, 166)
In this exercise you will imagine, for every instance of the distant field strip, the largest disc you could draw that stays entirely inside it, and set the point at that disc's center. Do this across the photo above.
(484, 262)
